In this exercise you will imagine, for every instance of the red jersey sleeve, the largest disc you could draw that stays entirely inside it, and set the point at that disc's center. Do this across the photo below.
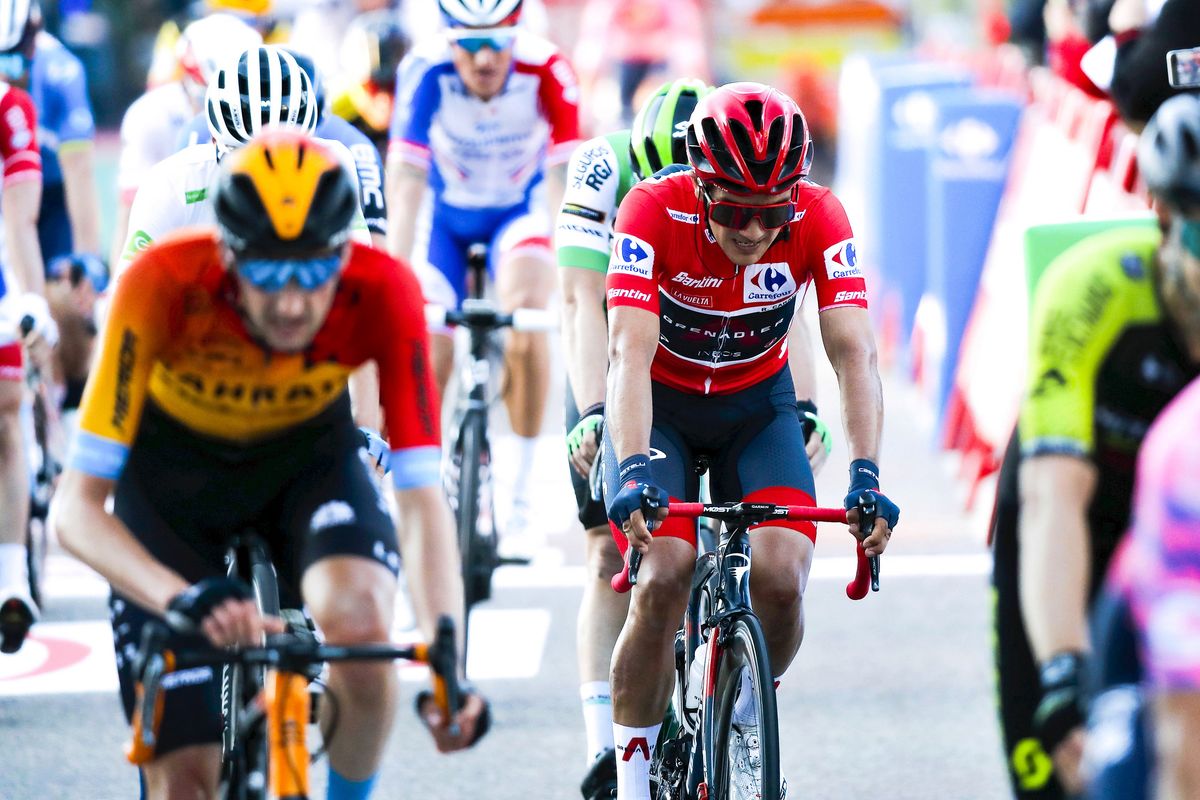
(633, 276)
(406, 391)
(18, 137)
(831, 254)
(559, 96)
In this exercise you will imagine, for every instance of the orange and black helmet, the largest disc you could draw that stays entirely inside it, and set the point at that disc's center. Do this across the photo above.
(284, 194)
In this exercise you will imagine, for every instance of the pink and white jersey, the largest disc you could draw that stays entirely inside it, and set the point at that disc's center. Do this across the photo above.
(723, 328)
(1158, 565)
(486, 154)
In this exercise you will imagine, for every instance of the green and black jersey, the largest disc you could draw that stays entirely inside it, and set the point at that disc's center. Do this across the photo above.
(1103, 362)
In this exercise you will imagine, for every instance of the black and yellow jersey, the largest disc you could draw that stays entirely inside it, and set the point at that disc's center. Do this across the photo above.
(1104, 361)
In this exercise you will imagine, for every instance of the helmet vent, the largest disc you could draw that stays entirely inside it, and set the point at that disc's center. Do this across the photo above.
(725, 160)
(760, 170)
(755, 109)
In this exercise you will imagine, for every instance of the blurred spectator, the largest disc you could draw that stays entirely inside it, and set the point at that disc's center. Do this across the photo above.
(1066, 43)
(1139, 84)
(642, 39)
(1027, 21)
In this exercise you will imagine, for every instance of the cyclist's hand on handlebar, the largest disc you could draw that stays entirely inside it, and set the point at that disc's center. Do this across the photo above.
(625, 510)
(223, 611)
(864, 477)
(473, 719)
(583, 441)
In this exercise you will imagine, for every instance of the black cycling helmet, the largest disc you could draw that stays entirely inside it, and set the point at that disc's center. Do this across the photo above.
(314, 75)
(377, 43)
(1169, 152)
(284, 194)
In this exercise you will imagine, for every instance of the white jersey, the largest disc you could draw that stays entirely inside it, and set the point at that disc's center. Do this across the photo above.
(149, 132)
(599, 175)
(178, 194)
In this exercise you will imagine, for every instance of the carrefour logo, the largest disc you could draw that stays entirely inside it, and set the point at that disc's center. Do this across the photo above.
(841, 260)
(768, 282)
(632, 256)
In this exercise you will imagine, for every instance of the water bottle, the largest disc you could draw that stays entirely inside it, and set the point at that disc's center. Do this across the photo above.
(695, 683)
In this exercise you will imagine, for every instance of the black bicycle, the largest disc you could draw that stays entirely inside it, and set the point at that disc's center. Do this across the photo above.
(268, 692)
(469, 476)
(701, 751)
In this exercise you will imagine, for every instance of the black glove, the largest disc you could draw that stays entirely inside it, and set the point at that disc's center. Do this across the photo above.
(864, 477)
(633, 477)
(188, 609)
(1061, 709)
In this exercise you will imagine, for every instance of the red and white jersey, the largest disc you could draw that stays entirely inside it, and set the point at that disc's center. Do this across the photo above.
(722, 327)
(486, 153)
(18, 136)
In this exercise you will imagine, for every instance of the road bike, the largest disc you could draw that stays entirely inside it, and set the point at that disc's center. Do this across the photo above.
(720, 650)
(266, 694)
(469, 472)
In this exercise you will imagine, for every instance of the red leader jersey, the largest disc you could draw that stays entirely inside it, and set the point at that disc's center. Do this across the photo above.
(722, 327)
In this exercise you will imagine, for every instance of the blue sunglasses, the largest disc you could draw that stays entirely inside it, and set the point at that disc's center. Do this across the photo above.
(496, 41)
(272, 274)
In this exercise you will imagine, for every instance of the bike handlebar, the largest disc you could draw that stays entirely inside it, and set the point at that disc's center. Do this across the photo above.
(866, 574)
(286, 653)
(483, 315)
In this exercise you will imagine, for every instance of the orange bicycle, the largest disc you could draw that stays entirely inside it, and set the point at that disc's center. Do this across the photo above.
(265, 752)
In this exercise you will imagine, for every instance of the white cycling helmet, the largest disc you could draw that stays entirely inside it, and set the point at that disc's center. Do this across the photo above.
(208, 43)
(260, 87)
(14, 20)
(480, 13)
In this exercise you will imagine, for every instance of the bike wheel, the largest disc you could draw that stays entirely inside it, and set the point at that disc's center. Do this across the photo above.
(731, 761)
(35, 554)
(476, 538)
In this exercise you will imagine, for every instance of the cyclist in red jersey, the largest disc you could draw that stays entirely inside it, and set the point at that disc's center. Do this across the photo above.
(22, 193)
(706, 273)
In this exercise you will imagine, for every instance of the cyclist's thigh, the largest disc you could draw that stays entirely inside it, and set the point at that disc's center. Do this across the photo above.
(441, 265)
(336, 508)
(522, 261)
(1030, 768)
(671, 462)
(591, 512)
(765, 460)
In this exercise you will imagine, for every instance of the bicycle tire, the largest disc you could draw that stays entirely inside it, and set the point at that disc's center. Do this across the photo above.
(745, 646)
(35, 555)
(478, 558)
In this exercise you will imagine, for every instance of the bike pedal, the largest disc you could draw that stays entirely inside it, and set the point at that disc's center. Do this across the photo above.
(15, 621)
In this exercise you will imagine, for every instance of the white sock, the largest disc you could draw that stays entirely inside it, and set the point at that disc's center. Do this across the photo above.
(635, 749)
(597, 717)
(12, 566)
(526, 454)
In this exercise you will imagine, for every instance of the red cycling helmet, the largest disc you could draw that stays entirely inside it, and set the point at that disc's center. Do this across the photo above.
(749, 138)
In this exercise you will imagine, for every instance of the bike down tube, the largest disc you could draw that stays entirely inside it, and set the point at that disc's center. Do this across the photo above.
(866, 569)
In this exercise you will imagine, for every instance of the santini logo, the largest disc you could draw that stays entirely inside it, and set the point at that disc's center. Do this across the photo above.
(628, 294)
(846, 297)
(696, 283)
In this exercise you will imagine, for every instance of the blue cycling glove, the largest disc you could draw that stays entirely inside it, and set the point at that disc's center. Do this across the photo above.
(633, 476)
(864, 477)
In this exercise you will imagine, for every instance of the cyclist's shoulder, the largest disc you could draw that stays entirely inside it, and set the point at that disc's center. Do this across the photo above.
(156, 109)
(598, 164)
(336, 128)
(427, 56)
(15, 97)
(378, 279)
(54, 63)
(183, 259)
(669, 189)
(530, 49)
(1106, 264)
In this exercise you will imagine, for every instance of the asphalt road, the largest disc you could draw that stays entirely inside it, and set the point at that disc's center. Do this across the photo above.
(890, 697)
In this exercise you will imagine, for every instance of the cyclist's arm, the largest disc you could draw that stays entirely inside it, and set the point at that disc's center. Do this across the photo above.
(1056, 490)
(800, 359)
(79, 182)
(632, 343)
(406, 184)
(19, 204)
(104, 543)
(846, 333)
(22, 193)
(584, 334)
(1176, 730)
(430, 553)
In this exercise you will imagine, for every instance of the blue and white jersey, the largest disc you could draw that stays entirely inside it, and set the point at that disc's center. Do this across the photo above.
(485, 154)
(58, 85)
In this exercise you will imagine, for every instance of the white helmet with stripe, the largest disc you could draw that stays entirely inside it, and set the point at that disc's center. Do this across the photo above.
(263, 86)
(480, 13)
(14, 20)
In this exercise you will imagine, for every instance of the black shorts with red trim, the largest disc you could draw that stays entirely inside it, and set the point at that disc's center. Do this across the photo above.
(752, 441)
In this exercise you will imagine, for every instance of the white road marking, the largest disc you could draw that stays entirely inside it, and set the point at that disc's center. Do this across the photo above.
(61, 658)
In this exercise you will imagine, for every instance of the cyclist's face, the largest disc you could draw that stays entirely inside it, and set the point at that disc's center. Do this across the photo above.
(485, 71)
(286, 320)
(747, 245)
